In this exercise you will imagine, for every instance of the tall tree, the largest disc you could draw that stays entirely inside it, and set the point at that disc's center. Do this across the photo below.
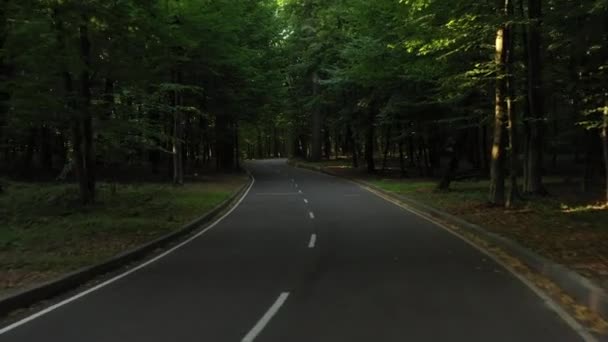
(503, 37)
(534, 142)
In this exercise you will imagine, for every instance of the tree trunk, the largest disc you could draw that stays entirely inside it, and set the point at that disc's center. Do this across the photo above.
(178, 133)
(458, 148)
(525, 93)
(590, 163)
(353, 145)
(326, 143)
(511, 115)
(29, 152)
(275, 142)
(497, 176)
(259, 144)
(369, 144)
(410, 150)
(605, 144)
(482, 149)
(387, 147)
(402, 167)
(225, 143)
(237, 149)
(336, 144)
(89, 153)
(4, 69)
(534, 149)
(46, 148)
(317, 121)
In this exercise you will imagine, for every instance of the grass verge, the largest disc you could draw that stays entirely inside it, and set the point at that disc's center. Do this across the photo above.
(563, 227)
(44, 232)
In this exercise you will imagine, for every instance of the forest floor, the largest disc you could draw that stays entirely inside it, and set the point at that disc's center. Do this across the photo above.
(46, 233)
(567, 226)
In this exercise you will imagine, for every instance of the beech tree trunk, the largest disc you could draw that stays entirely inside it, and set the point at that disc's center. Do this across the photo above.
(387, 147)
(83, 124)
(534, 142)
(224, 135)
(4, 69)
(81, 120)
(497, 175)
(46, 150)
(317, 121)
(458, 147)
(402, 166)
(178, 133)
(605, 144)
(352, 142)
(511, 115)
(369, 143)
(237, 147)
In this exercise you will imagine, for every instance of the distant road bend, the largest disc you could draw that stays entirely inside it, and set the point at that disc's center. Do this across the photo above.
(311, 258)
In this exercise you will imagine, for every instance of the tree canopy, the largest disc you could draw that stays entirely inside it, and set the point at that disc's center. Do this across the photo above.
(173, 85)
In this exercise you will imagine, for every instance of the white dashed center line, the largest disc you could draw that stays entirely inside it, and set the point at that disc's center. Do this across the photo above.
(261, 324)
(305, 201)
(300, 191)
(311, 214)
(313, 241)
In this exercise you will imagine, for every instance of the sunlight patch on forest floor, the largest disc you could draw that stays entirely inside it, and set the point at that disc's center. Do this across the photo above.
(46, 233)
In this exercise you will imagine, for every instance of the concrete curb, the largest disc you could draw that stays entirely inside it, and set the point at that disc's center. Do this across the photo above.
(30, 296)
(583, 290)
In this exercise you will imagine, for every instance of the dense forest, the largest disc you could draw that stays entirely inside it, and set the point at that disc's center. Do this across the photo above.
(513, 91)
(89, 86)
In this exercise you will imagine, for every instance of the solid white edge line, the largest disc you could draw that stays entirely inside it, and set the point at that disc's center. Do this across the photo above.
(123, 275)
(574, 324)
(263, 322)
(313, 241)
(311, 215)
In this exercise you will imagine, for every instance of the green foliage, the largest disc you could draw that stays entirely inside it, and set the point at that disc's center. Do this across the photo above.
(224, 52)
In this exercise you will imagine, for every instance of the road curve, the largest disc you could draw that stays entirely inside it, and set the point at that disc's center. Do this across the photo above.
(311, 258)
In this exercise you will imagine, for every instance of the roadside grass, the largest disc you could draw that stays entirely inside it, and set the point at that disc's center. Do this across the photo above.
(569, 229)
(44, 232)
(568, 226)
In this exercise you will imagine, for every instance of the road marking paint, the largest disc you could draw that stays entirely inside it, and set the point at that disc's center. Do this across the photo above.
(305, 201)
(263, 322)
(311, 214)
(123, 275)
(296, 185)
(313, 241)
(299, 191)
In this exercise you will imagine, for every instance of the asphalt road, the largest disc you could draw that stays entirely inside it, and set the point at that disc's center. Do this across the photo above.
(307, 257)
